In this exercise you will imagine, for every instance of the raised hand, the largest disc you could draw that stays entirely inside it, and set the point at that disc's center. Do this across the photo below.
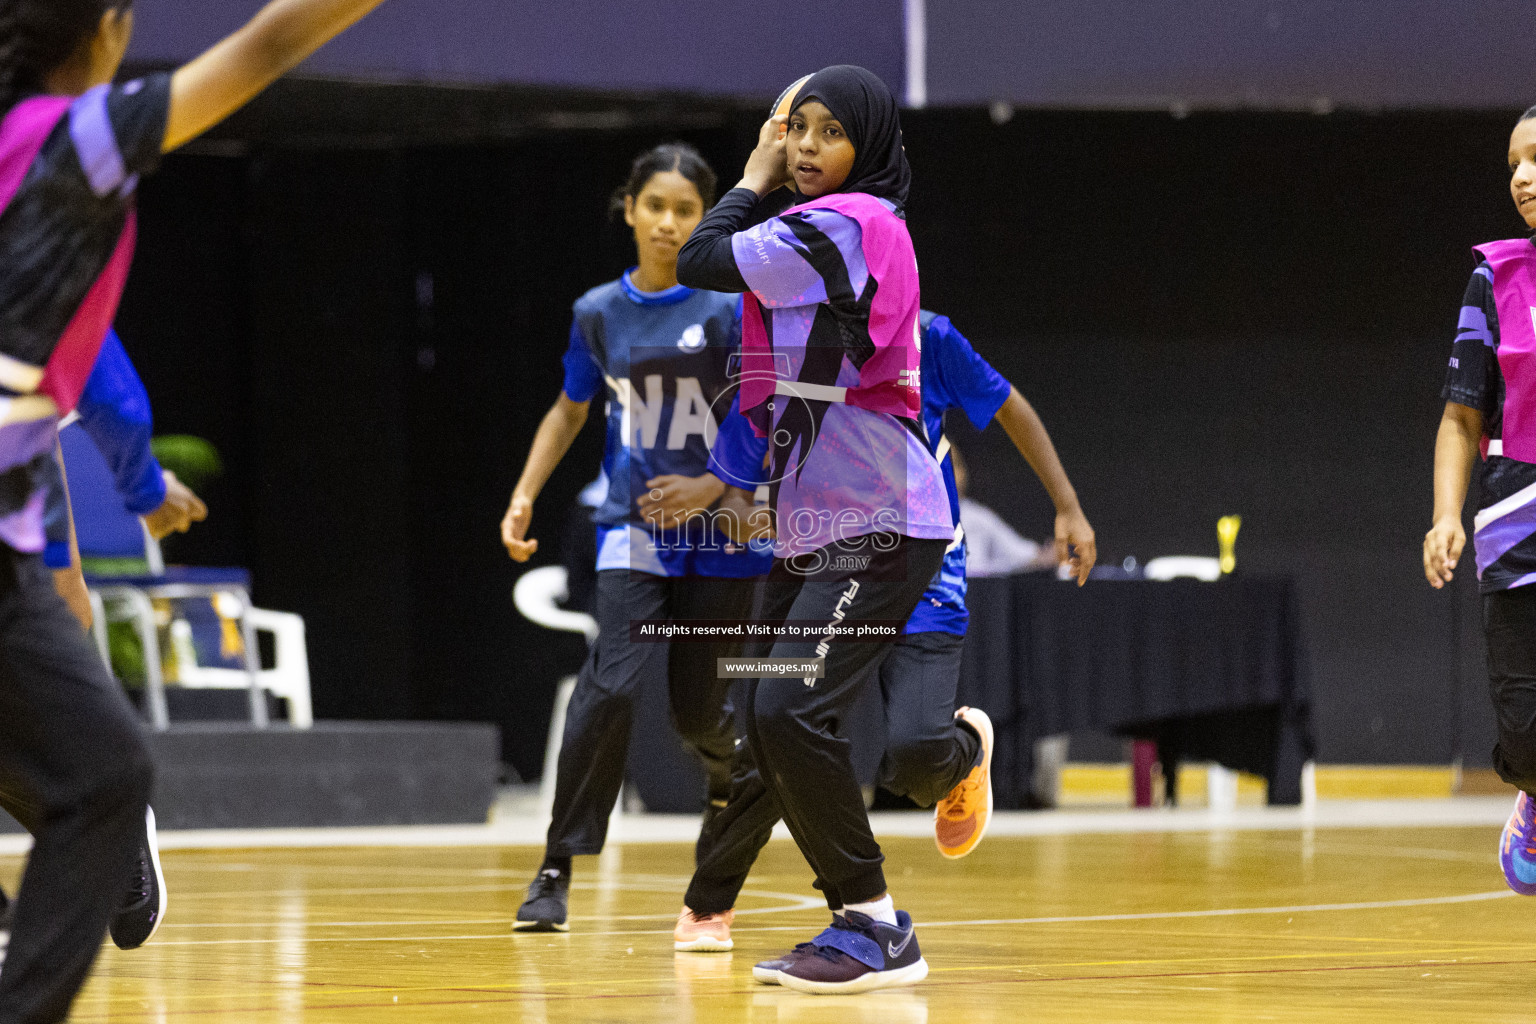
(768, 166)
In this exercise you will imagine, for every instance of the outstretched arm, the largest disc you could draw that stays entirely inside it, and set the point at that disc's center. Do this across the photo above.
(556, 432)
(1456, 446)
(1075, 541)
(226, 77)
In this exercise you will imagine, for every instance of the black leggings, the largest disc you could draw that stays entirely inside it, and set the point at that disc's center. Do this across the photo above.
(1509, 624)
(75, 770)
(598, 721)
(926, 756)
(796, 761)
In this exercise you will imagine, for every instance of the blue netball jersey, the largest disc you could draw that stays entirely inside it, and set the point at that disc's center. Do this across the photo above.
(954, 377)
(662, 359)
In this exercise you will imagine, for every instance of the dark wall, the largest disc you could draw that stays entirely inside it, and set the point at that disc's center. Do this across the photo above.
(1226, 313)
(1227, 53)
(724, 47)
(1239, 313)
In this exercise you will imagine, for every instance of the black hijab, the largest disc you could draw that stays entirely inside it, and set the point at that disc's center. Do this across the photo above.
(866, 108)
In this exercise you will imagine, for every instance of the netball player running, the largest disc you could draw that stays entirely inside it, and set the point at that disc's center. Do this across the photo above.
(862, 517)
(934, 755)
(1490, 411)
(74, 768)
(113, 410)
(662, 351)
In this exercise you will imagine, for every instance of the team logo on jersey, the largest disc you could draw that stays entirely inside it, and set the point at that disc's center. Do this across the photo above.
(692, 339)
(910, 379)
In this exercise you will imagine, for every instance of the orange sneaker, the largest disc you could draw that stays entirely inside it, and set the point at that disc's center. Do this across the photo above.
(960, 819)
(710, 933)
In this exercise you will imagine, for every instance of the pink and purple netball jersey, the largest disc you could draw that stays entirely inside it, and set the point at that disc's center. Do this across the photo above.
(1493, 370)
(831, 374)
(68, 171)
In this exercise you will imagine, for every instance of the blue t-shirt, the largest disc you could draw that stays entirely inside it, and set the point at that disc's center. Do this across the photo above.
(954, 377)
(663, 360)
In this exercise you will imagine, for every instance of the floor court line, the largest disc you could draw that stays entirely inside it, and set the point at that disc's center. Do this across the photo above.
(1165, 915)
(499, 997)
(529, 830)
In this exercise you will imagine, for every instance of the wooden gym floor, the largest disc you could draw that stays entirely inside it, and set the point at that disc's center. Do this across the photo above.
(1289, 924)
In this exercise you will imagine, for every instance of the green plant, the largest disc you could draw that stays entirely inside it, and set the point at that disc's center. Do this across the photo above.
(194, 460)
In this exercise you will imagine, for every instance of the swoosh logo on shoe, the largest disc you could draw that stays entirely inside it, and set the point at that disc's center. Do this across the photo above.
(894, 951)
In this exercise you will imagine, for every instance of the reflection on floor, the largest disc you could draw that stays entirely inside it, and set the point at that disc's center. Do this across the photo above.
(1363, 914)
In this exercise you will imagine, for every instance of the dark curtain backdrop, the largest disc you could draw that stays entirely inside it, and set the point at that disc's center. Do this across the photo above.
(1223, 313)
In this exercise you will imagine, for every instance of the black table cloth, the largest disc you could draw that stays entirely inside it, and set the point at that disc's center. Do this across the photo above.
(1211, 671)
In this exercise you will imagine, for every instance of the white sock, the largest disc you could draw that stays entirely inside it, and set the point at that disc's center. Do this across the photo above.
(882, 909)
(838, 912)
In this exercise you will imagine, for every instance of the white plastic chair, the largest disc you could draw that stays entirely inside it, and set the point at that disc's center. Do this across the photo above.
(288, 677)
(106, 528)
(537, 595)
(1171, 567)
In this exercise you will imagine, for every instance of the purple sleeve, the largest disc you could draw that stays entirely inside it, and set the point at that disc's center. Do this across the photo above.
(802, 258)
(1471, 378)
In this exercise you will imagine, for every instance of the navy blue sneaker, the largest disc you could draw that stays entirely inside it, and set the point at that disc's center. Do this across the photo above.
(857, 954)
(544, 909)
(766, 972)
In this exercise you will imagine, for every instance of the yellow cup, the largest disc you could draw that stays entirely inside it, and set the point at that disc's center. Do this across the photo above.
(1226, 534)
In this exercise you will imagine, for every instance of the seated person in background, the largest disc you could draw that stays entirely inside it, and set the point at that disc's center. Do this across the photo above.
(992, 547)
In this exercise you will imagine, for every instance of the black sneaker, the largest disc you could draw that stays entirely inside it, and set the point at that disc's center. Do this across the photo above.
(137, 920)
(544, 909)
(857, 954)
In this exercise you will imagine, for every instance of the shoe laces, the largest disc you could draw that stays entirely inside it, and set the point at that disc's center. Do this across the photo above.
(957, 804)
(139, 891)
(1526, 831)
(547, 883)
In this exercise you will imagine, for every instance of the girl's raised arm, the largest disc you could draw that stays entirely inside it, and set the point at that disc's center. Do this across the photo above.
(226, 77)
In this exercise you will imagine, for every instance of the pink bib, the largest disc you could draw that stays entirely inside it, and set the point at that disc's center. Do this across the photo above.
(888, 379)
(1513, 262)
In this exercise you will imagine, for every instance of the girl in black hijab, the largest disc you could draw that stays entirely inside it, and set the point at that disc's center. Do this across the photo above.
(831, 374)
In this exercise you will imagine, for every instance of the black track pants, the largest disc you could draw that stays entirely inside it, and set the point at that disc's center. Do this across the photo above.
(597, 723)
(926, 756)
(796, 763)
(75, 770)
(1509, 624)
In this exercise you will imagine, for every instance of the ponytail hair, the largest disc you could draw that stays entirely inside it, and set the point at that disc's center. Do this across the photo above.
(669, 156)
(38, 36)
